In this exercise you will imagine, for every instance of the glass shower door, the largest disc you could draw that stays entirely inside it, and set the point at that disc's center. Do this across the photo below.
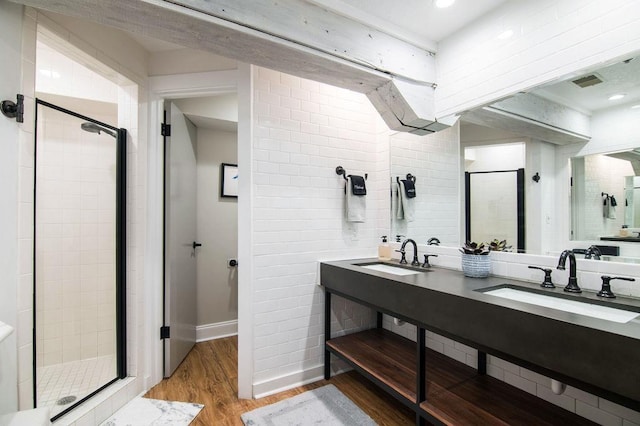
(78, 257)
(494, 204)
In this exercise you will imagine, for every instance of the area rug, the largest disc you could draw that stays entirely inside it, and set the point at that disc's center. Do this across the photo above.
(154, 412)
(323, 406)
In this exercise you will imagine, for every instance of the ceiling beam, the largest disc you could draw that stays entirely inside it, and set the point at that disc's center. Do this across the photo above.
(291, 36)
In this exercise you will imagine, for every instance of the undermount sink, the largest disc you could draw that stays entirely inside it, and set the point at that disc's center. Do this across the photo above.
(573, 306)
(389, 269)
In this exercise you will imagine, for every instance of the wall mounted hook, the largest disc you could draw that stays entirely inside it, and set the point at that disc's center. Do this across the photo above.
(14, 109)
(536, 177)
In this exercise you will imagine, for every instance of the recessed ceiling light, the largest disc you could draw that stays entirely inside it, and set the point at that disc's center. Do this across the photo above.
(616, 97)
(443, 3)
(505, 34)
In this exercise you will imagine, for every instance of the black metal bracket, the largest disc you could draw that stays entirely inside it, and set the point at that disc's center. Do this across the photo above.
(341, 171)
(410, 177)
(14, 109)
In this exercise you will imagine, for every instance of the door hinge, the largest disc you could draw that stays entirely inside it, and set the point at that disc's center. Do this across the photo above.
(165, 332)
(165, 129)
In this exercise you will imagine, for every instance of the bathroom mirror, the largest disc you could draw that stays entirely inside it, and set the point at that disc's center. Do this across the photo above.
(604, 197)
(433, 161)
(557, 216)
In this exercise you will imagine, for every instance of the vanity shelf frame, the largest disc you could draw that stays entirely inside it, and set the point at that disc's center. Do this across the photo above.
(418, 394)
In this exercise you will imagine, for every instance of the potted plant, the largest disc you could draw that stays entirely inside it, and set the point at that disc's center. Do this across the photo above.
(496, 245)
(476, 262)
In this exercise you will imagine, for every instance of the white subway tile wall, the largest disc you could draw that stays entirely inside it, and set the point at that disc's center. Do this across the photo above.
(303, 131)
(603, 174)
(434, 160)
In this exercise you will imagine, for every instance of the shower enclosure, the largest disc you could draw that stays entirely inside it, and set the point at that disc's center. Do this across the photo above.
(494, 207)
(79, 257)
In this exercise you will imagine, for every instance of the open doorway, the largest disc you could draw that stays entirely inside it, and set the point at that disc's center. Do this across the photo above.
(201, 224)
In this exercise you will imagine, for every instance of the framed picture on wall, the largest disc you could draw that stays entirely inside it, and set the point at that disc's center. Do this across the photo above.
(229, 181)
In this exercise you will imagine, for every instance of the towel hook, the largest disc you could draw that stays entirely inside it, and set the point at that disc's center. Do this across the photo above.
(604, 194)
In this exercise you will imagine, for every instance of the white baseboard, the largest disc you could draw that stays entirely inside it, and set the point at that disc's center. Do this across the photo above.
(286, 382)
(216, 331)
(299, 378)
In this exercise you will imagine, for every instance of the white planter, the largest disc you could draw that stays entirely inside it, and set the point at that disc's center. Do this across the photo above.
(476, 265)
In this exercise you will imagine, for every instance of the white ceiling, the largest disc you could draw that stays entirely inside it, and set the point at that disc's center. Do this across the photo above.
(415, 21)
(421, 23)
(621, 77)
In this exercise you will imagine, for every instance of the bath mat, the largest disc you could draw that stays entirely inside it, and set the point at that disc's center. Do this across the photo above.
(154, 412)
(325, 406)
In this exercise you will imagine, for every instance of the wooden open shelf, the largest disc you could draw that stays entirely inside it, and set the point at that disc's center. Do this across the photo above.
(456, 393)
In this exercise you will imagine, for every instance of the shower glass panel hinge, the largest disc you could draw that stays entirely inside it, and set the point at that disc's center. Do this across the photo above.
(164, 332)
(165, 129)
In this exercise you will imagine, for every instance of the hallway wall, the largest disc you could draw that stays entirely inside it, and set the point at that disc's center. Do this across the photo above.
(217, 224)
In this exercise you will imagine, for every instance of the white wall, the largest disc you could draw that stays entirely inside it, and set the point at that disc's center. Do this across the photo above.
(58, 74)
(217, 227)
(302, 131)
(221, 107)
(550, 39)
(434, 160)
(11, 19)
(614, 129)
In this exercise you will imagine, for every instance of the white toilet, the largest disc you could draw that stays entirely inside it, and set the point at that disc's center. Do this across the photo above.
(35, 417)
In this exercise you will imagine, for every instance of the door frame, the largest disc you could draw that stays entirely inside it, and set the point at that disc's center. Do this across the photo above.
(176, 86)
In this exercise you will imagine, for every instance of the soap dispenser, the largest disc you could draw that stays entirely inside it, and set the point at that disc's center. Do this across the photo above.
(384, 250)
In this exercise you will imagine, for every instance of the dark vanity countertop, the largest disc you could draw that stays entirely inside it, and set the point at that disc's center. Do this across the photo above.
(589, 353)
(624, 239)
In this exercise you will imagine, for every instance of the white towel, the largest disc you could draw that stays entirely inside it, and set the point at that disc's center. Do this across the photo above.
(356, 205)
(612, 207)
(407, 204)
(608, 209)
(399, 211)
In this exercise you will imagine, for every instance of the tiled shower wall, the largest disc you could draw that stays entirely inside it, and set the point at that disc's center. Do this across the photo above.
(75, 240)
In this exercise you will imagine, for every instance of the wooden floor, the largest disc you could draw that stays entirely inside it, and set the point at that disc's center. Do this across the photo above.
(209, 376)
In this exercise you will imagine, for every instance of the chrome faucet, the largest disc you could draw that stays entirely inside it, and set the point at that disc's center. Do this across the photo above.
(402, 251)
(572, 285)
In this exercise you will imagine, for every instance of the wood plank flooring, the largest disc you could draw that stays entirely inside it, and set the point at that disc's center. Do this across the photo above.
(209, 376)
